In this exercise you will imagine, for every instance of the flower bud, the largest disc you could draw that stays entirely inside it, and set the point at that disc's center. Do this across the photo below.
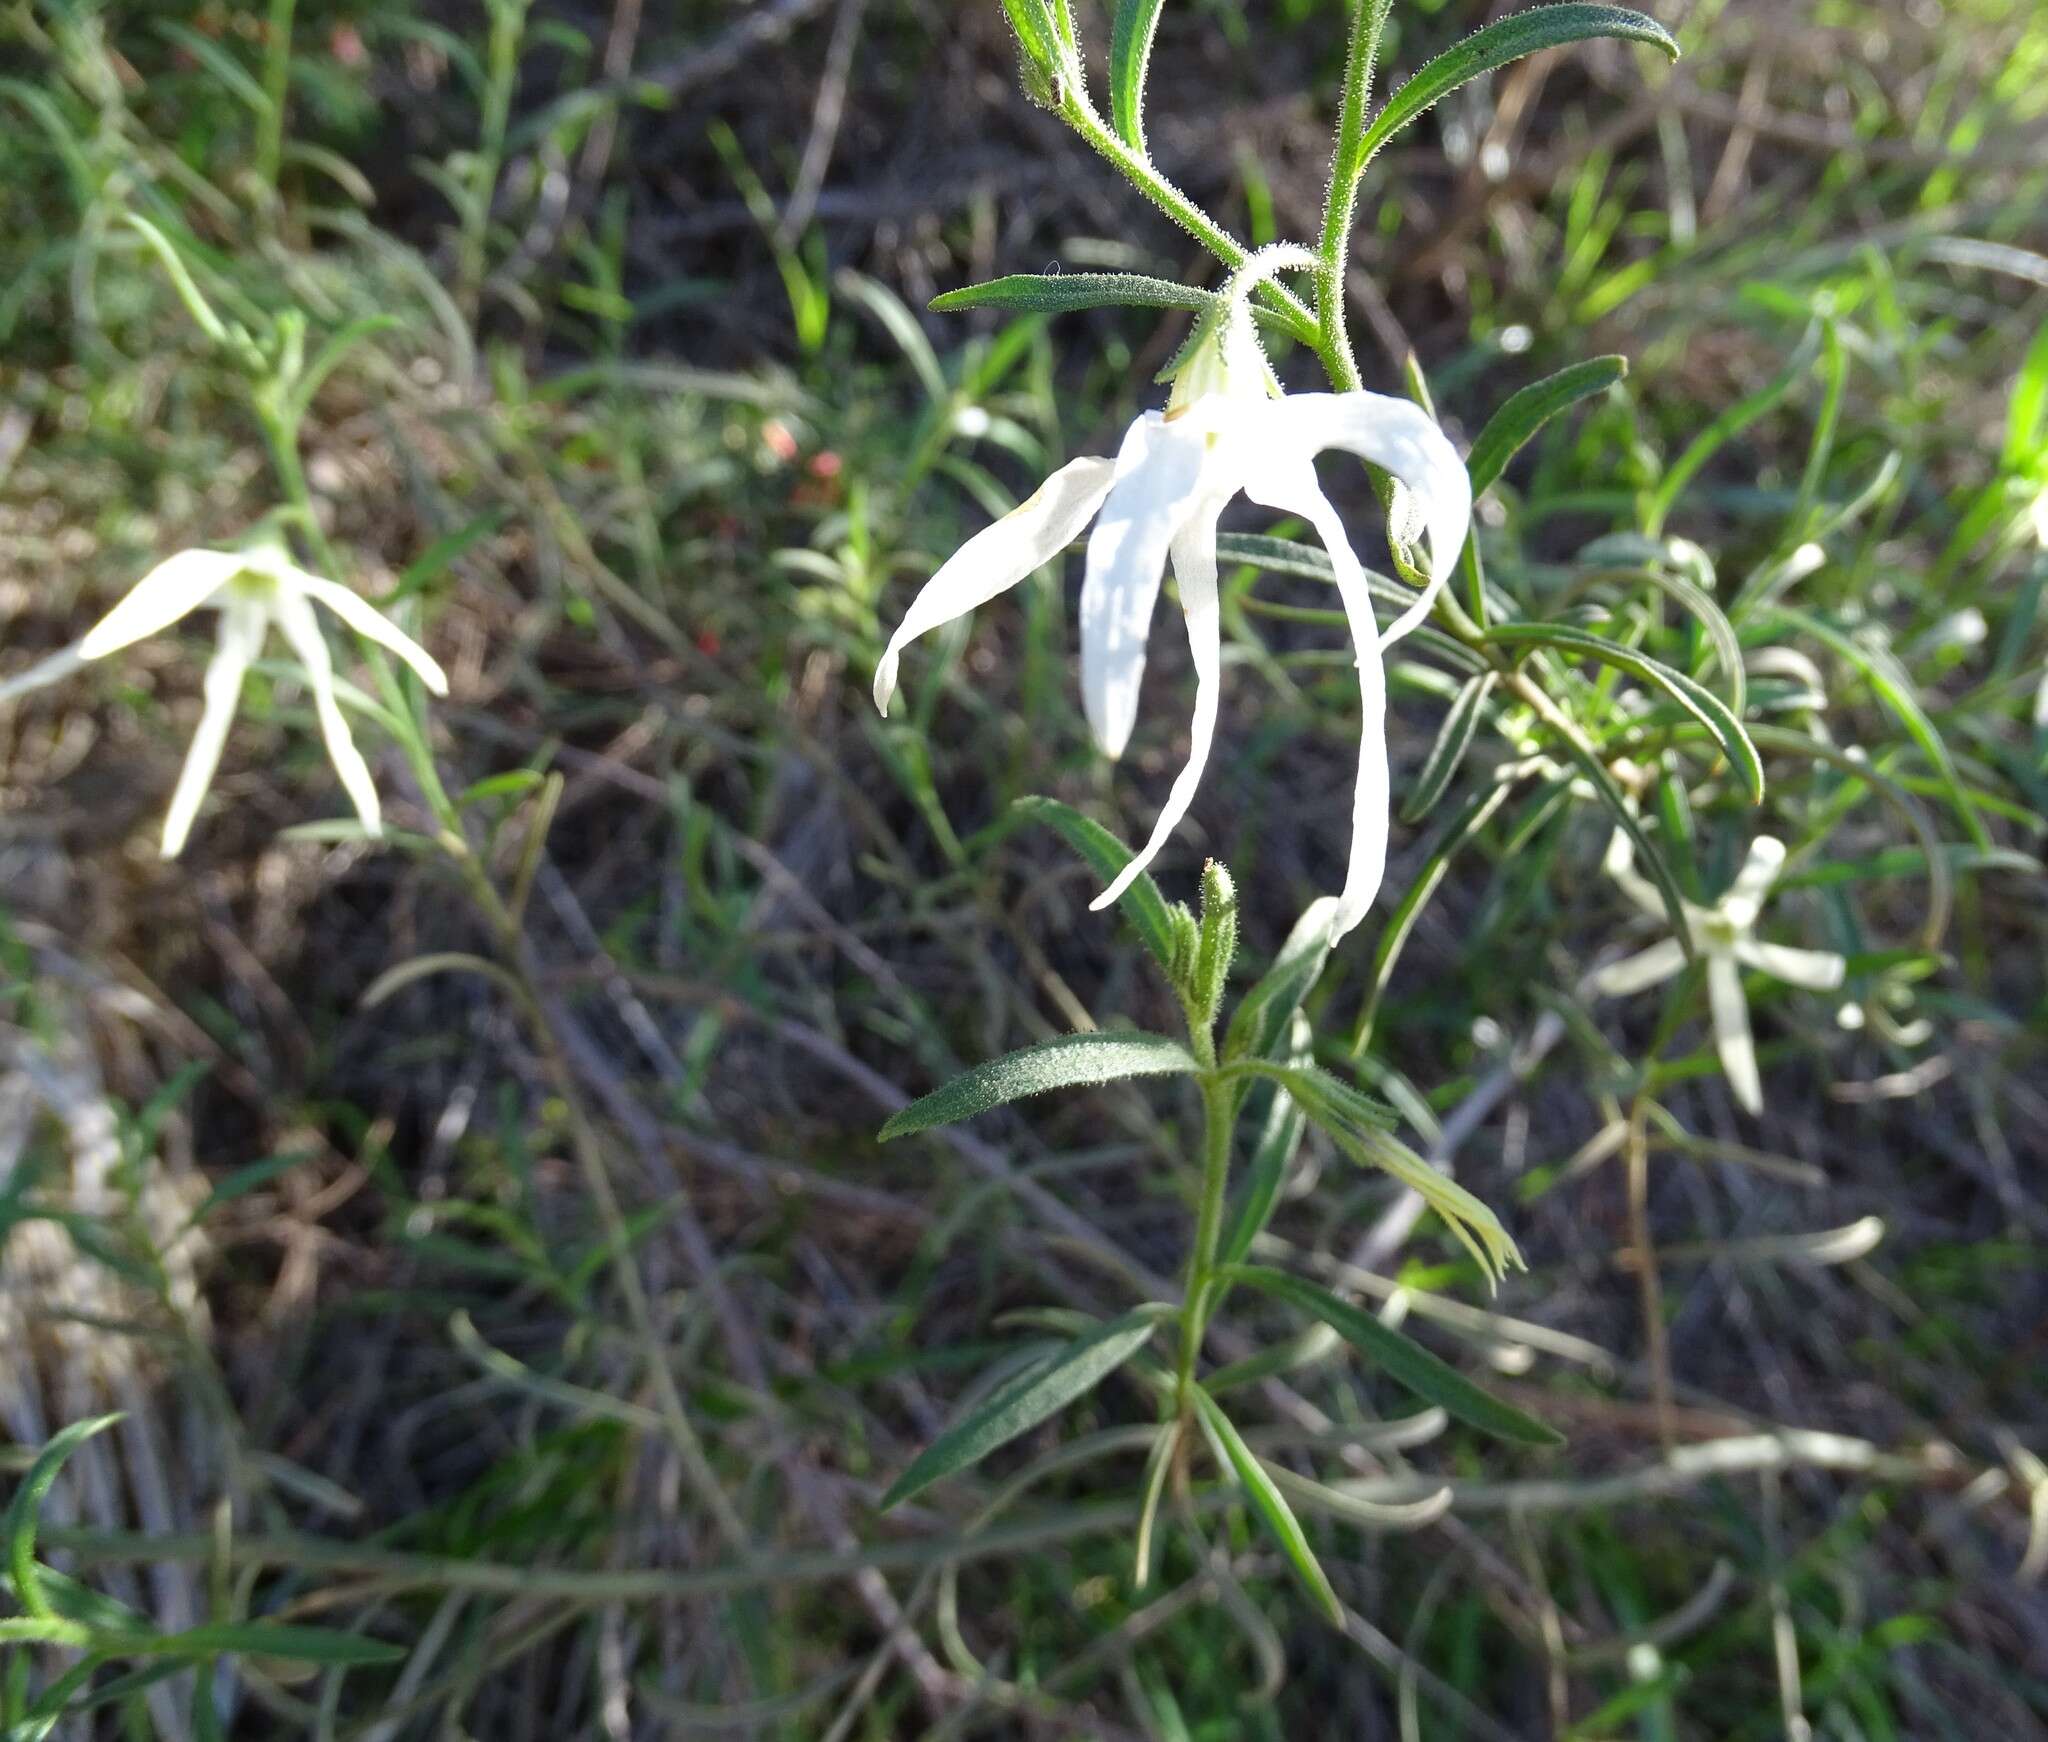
(1217, 945)
(1038, 51)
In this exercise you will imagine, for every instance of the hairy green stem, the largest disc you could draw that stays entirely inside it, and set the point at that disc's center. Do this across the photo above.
(1219, 1121)
(1145, 176)
(1340, 205)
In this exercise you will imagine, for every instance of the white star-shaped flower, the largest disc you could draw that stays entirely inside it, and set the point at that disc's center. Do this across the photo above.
(1225, 432)
(1724, 938)
(252, 589)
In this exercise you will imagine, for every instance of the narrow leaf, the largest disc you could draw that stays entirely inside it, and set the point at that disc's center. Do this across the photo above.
(1274, 1512)
(1141, 904)
(1130, 54)
(1401, 1358)
(27, 1503)
(1026, 1401)
(1063, 292)
(1894, 687)
(1690, 694)
(1447, 754)
(1508, 39)
(1470, 817)
(1526, 412)
(1260, 1022)
(1072, 1061)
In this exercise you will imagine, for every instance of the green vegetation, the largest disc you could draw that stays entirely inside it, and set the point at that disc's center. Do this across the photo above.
(638, 1198)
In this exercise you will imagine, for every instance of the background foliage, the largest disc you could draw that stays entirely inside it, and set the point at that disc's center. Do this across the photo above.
(647, 425)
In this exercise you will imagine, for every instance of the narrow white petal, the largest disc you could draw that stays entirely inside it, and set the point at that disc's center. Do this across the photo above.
(372, 625)
(302, 629)
(1745, 897)
(241, 638)
(1194, 567)
(1638, 973)
(1815, 970)
(1158, 481)
(1403, 439)
(1620, 864)
(1289, 486)
(999, 556)
(175, 587)
(1731, 1030)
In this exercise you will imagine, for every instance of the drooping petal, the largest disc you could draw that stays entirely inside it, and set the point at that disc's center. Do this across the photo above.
(1403, 439)
(1288, 485)
(1620, 864)
(1745, 897)
(1159, 476)
(1194, 567)
(1732, 1040)
(372, 625)
(242, 626)
(1638, 973)
(302, 629)
(175, 587)
(1814, 970)
(999, 556)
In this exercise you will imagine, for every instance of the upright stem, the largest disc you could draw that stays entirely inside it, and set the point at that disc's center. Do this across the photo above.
(277, 81)
(1219, 1120)
(1144, 175)
(1340, 205)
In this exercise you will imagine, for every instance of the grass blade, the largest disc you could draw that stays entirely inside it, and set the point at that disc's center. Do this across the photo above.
(1401, 1358)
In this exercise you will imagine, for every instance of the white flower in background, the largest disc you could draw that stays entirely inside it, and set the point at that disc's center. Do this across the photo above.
(1226, 431)
(252, 589)
(1724, 937)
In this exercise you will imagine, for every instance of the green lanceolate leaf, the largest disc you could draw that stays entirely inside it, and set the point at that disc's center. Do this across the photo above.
(1691, 695)
(1529, 410)
(1058, 293)
(27, 1503)
(1325, 1097)
(1508, 39)
(1130, 54)
(1274, 1512)
(1141, 904)
(1072, 1061)
(1447, 754)
(1260, 1022)
(1401, 1358)
(1354, 1123)
(1027, 1400)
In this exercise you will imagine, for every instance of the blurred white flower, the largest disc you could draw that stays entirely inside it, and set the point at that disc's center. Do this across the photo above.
(252, 589)
(1724, 938)
(1226, 431)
